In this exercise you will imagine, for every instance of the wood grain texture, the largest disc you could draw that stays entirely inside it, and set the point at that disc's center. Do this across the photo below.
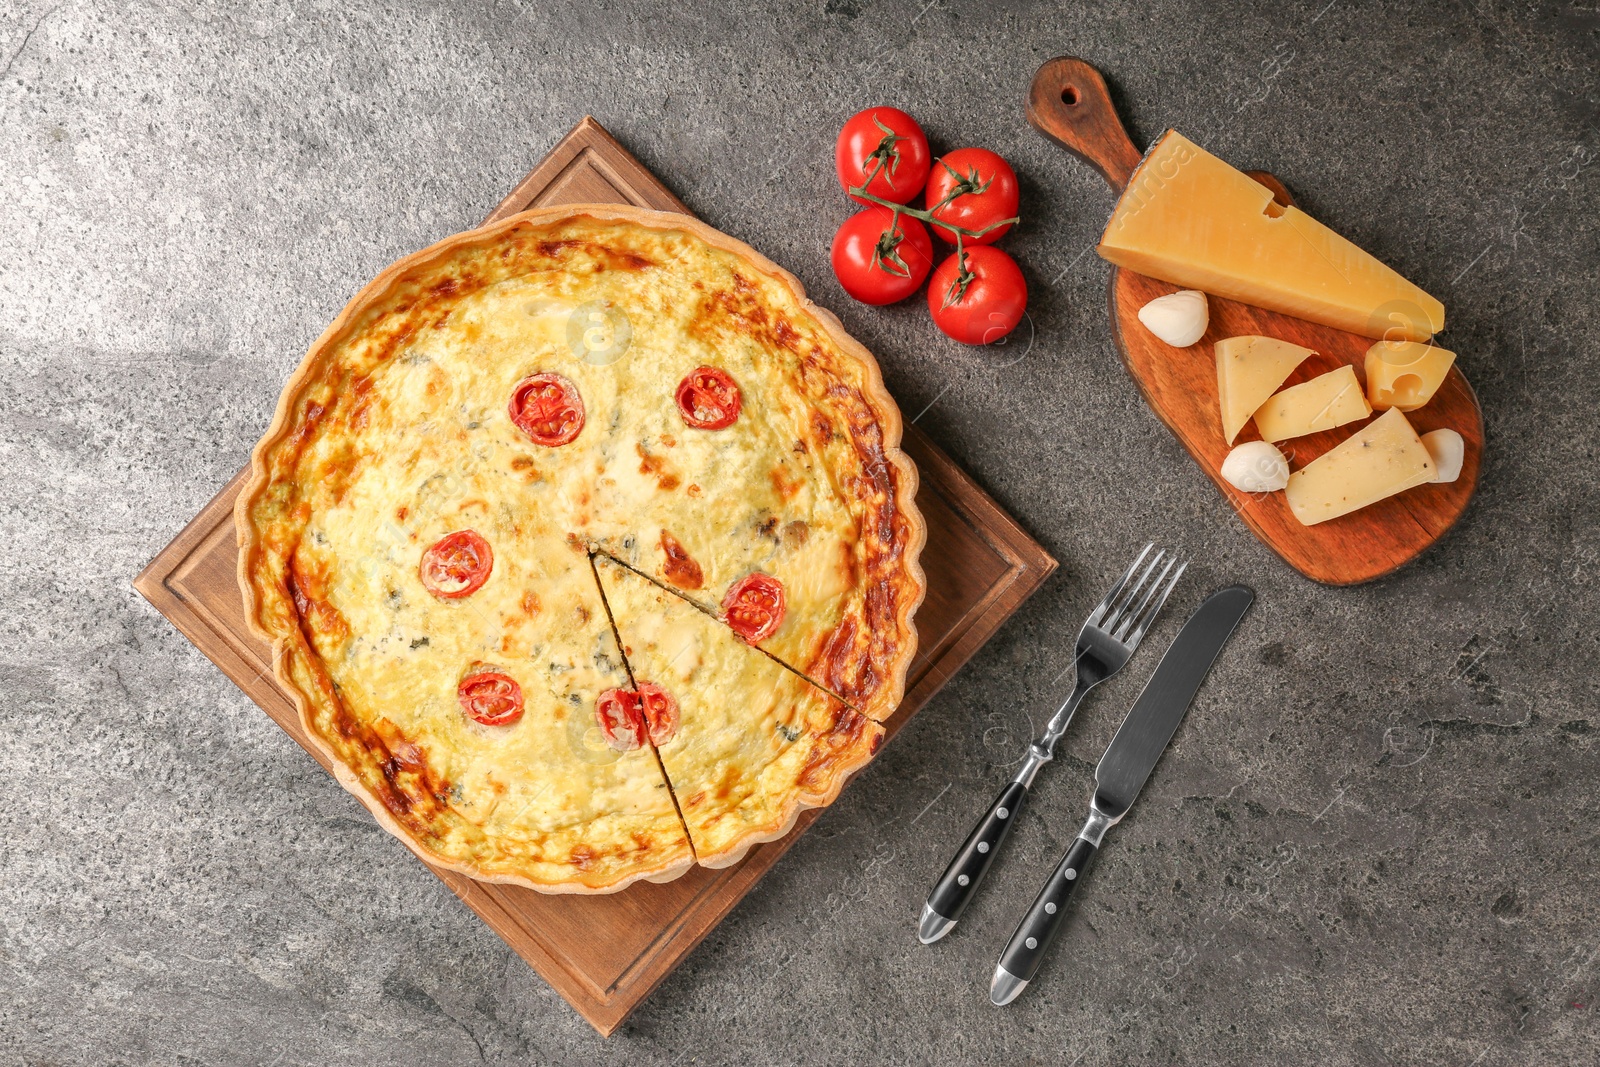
(605, 954)
(1069, 103)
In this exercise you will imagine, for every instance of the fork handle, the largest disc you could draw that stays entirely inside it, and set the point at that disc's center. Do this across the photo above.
(959, 882)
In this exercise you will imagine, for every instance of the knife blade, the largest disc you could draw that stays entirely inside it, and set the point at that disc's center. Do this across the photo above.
(1121, 774)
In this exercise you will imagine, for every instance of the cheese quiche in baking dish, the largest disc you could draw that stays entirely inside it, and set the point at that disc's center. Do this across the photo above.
(506, 429)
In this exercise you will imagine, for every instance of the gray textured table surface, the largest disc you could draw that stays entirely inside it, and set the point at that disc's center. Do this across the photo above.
(1373, 840)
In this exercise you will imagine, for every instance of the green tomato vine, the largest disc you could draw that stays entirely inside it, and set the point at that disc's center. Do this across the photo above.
(886, 256)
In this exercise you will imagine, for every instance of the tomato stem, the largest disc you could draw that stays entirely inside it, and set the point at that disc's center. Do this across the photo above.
(886, 253)
(885, 155)
(860, 192)
(957, 291)
(963, 186)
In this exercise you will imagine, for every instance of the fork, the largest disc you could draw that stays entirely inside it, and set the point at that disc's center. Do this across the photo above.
(1107, 640)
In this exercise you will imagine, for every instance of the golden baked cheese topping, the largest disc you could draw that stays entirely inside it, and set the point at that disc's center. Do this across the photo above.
(417, 533)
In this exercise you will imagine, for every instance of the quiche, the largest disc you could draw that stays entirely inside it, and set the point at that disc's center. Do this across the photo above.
(586, 548)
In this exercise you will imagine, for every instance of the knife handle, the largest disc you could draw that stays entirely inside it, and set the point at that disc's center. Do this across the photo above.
(1026, 949)
(958, 883)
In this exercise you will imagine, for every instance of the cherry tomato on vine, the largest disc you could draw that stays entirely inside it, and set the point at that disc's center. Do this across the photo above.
(982, 303)
(880, 259)
(884, 149)
(972, 188)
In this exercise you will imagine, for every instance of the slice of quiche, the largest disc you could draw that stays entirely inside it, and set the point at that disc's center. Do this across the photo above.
(746, 743)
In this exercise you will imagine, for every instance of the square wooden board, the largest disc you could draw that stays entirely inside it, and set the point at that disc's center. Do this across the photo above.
(606, 953)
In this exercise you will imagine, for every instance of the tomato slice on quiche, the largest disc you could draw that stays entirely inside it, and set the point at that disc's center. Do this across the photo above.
(492, 698)
(709, 399)
(456, 565)
(548, 409)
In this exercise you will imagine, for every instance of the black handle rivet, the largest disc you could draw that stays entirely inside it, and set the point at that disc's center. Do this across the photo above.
(963, 879)
(1031, 943)
(1002, 813)
(1071, 874)
(983, 846)
(1049, 909)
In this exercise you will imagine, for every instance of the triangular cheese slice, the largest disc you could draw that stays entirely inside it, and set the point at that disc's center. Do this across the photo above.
(1384, 458)
(1326, 401)
(1249, 370)
(755, 743)
(1190, 219)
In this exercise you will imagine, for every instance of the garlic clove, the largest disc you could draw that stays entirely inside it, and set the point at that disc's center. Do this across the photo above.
(1256, 467)
(1448, 451)
(1180, 318)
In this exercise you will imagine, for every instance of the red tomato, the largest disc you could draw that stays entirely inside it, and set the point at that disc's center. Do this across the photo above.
(547, 408)
(490, 697)
(660, 712)
(884, 149)
(982, 304)
(457, 565)
(972, 188)
(880, 257)
(709, 398)
(621, 722)
(753, 607)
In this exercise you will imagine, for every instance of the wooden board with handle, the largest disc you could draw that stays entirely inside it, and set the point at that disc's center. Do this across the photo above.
(1070, 104)
(605, 954)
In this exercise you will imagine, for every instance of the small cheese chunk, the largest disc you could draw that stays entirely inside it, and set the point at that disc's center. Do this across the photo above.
(1249, 370)
(1324, 402)
(1405, 374)
(1190, 219)
(1448, 450)
(1383, 458)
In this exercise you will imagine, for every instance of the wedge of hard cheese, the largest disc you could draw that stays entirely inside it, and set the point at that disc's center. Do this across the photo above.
(1249, 370)
(1190, 219)
(1384, 458)
(1324, 402)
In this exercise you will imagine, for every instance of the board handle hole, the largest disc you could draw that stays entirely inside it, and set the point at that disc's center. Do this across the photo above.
(1069, 95)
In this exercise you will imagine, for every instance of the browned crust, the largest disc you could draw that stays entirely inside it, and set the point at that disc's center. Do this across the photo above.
(846, 763)
(911, 582)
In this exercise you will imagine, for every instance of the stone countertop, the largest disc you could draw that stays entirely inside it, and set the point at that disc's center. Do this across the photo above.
(1373, 840)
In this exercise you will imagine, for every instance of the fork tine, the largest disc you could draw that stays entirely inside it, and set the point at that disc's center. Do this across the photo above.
(1099, 610)
(1128, 599)
(1130, 618)
(1146, 618)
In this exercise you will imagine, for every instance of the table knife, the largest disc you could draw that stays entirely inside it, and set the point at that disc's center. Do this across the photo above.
(1122, 772)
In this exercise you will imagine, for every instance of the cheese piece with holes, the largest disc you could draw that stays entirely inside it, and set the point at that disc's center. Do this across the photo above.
(1405, 374)
(1324, 402)
(1249, 371)
(1190, 219)
(756, 743)
(1382, 459)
